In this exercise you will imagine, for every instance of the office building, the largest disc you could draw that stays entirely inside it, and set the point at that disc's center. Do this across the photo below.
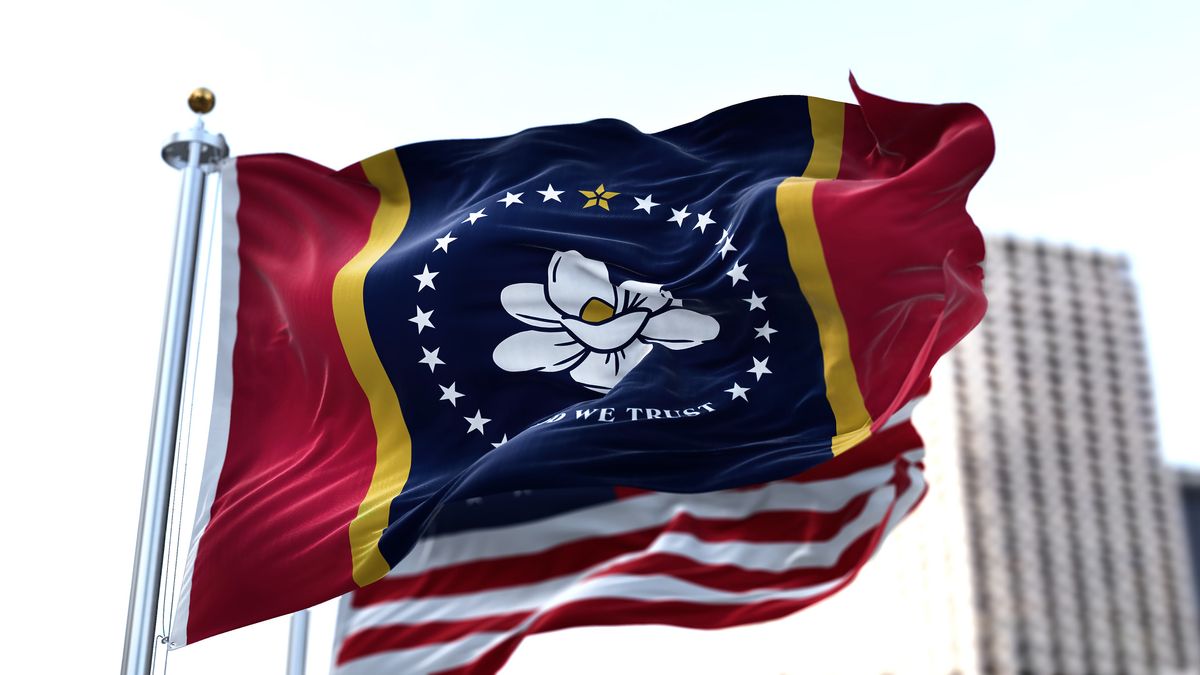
(1052, 540)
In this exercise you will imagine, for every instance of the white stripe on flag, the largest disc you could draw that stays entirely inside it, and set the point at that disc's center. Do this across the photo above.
(902, 415)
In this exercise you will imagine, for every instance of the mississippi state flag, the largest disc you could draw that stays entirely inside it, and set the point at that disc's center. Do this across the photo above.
(564, 311)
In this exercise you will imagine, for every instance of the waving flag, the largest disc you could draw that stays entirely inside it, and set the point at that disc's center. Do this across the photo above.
(473, 588)
(563, 311)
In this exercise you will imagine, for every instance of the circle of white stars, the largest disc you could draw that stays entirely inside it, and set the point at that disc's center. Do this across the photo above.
(737, 271)
(682, 218)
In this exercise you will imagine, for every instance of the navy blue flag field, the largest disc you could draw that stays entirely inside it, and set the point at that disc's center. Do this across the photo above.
(567, 311)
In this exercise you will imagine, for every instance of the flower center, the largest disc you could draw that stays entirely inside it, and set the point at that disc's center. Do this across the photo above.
(596, 311)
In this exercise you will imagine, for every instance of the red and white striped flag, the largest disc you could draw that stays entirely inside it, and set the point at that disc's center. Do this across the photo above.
(464, 599)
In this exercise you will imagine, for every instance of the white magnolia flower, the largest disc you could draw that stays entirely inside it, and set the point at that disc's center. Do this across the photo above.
(597, 331)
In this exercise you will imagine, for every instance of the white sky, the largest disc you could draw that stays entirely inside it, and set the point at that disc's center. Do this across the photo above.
(1094, 106)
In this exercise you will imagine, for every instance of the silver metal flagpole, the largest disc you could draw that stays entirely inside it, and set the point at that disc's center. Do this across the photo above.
(298, 643)
(197, 153)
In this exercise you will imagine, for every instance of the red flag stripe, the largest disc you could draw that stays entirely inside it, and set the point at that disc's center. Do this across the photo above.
(390, 638)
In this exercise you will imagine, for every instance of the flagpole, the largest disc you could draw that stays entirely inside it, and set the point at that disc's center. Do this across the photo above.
(197, 153)
(298, 643)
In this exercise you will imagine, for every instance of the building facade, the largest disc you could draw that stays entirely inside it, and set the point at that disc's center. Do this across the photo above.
(1052, 539)
(1189, 490)
(1075, 535)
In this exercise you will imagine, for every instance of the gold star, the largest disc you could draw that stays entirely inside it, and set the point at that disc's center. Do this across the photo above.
(598, 196)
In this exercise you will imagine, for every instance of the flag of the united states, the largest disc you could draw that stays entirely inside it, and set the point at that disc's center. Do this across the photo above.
(468, 594)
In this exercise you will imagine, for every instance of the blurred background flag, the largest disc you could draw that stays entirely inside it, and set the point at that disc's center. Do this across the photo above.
(544, 317)
(475, 585)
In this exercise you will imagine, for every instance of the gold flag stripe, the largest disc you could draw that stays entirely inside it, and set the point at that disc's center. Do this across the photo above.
(794, 201)
(393, 445)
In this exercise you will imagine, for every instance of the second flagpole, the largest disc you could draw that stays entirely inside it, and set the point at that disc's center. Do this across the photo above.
(298, 643)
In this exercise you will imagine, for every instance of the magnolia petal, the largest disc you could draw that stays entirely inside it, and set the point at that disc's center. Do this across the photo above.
(609, 335)
(597, 372)
(527, 303)
(679, 328)
(601, 372)
(574, 279)
(633, 355)
(547, 351)
(641, 295)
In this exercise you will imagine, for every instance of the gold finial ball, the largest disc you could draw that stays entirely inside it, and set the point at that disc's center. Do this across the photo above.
(202, 100)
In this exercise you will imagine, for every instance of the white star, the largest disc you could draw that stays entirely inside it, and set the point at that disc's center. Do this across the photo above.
(644, 204)
(444, 243)
(728, 247)
(510, 199)
(765, 331)
(476, 216)
(680, 216)
(738, 273)
(431, 359)
(426, 279)
(704, 220)
(755, 302)
(759, 369)
(477, 422)
(502, 441)
(724, 236)
(738, 391)
(448, 393)
(422, 320)
(550, 193)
